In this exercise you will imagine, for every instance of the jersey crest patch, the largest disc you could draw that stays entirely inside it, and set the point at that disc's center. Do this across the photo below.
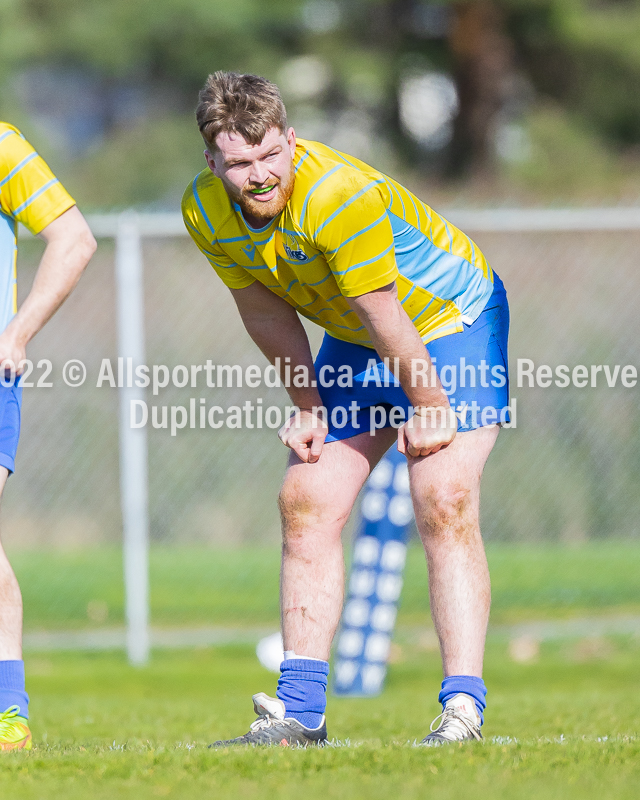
(294, 251)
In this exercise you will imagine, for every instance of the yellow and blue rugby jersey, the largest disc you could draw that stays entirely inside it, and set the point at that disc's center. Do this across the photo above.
(346, 230)
(30, 194)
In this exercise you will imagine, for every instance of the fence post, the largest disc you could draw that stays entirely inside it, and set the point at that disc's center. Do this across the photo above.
(133, 441)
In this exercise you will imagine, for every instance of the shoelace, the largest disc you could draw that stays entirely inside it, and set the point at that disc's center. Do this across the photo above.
(7, 717)
(450, 715)
(265, 721)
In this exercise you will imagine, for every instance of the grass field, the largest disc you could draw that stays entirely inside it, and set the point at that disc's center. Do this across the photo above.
(202, 586)
(564, 726)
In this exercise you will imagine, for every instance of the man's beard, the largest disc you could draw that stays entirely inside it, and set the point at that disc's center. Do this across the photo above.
(267, 210)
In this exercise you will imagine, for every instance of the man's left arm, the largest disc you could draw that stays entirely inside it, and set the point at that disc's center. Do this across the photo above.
(69, 247)
(395, 336)
(358, 243)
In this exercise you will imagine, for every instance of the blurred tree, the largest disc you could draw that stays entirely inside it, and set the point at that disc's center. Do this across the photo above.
(586, 54)
(482, 65)
(582, 53)
(165, 38)
(173, 41)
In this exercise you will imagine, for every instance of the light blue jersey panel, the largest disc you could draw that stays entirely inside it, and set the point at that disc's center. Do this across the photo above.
(7, 268)
(443, 274)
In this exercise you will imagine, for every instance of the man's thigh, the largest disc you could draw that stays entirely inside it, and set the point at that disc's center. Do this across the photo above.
(332, 483)
(453, 472)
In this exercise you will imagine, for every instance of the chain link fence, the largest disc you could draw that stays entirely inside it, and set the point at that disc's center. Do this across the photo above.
(568, 472)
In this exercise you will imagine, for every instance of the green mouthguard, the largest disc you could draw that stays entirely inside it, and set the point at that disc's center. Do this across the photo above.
(264, 190)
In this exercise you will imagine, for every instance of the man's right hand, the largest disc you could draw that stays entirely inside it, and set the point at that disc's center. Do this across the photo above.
(304, 432)
(12, 355)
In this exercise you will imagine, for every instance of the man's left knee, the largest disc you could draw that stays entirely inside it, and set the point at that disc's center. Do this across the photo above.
(448, 508)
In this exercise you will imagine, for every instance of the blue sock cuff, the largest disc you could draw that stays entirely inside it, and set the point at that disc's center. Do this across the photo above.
(303, 689)
(305, 665)
(465, 684)
(12, 687)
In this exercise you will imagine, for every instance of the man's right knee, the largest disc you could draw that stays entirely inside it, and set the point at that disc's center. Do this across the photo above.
(301, 510)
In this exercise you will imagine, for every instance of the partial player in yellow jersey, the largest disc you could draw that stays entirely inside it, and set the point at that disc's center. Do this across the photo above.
(32, 195)
(294, 227)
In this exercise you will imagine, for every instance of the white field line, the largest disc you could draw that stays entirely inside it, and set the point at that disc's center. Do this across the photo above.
(547, 630)
(570, 628)
(114, 638)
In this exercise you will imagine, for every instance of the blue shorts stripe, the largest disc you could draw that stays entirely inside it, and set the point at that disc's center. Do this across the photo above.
(10, 404)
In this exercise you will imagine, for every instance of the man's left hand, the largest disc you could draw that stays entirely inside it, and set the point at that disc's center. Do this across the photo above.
(428, 431)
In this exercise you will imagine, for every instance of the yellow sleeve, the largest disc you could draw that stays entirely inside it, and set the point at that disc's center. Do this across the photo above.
(354, 233)
(30, 192)
(232, 275)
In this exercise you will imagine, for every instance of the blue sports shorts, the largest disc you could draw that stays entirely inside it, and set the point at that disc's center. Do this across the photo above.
(472, 366)
(10, 403)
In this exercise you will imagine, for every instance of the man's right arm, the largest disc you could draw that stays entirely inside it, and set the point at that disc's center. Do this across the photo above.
(275, 327)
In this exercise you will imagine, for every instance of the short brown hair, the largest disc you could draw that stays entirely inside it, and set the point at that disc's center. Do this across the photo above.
(244, 104)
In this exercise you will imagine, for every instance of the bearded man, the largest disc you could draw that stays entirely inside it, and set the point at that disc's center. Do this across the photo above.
(294, 227)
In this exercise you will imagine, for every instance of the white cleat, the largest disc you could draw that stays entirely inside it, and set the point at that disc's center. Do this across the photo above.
(458, 722)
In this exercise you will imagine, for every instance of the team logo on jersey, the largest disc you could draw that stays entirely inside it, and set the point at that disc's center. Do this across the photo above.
(293, 250)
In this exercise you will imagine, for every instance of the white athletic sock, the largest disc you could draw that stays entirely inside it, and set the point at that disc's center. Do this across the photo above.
(289, 654)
